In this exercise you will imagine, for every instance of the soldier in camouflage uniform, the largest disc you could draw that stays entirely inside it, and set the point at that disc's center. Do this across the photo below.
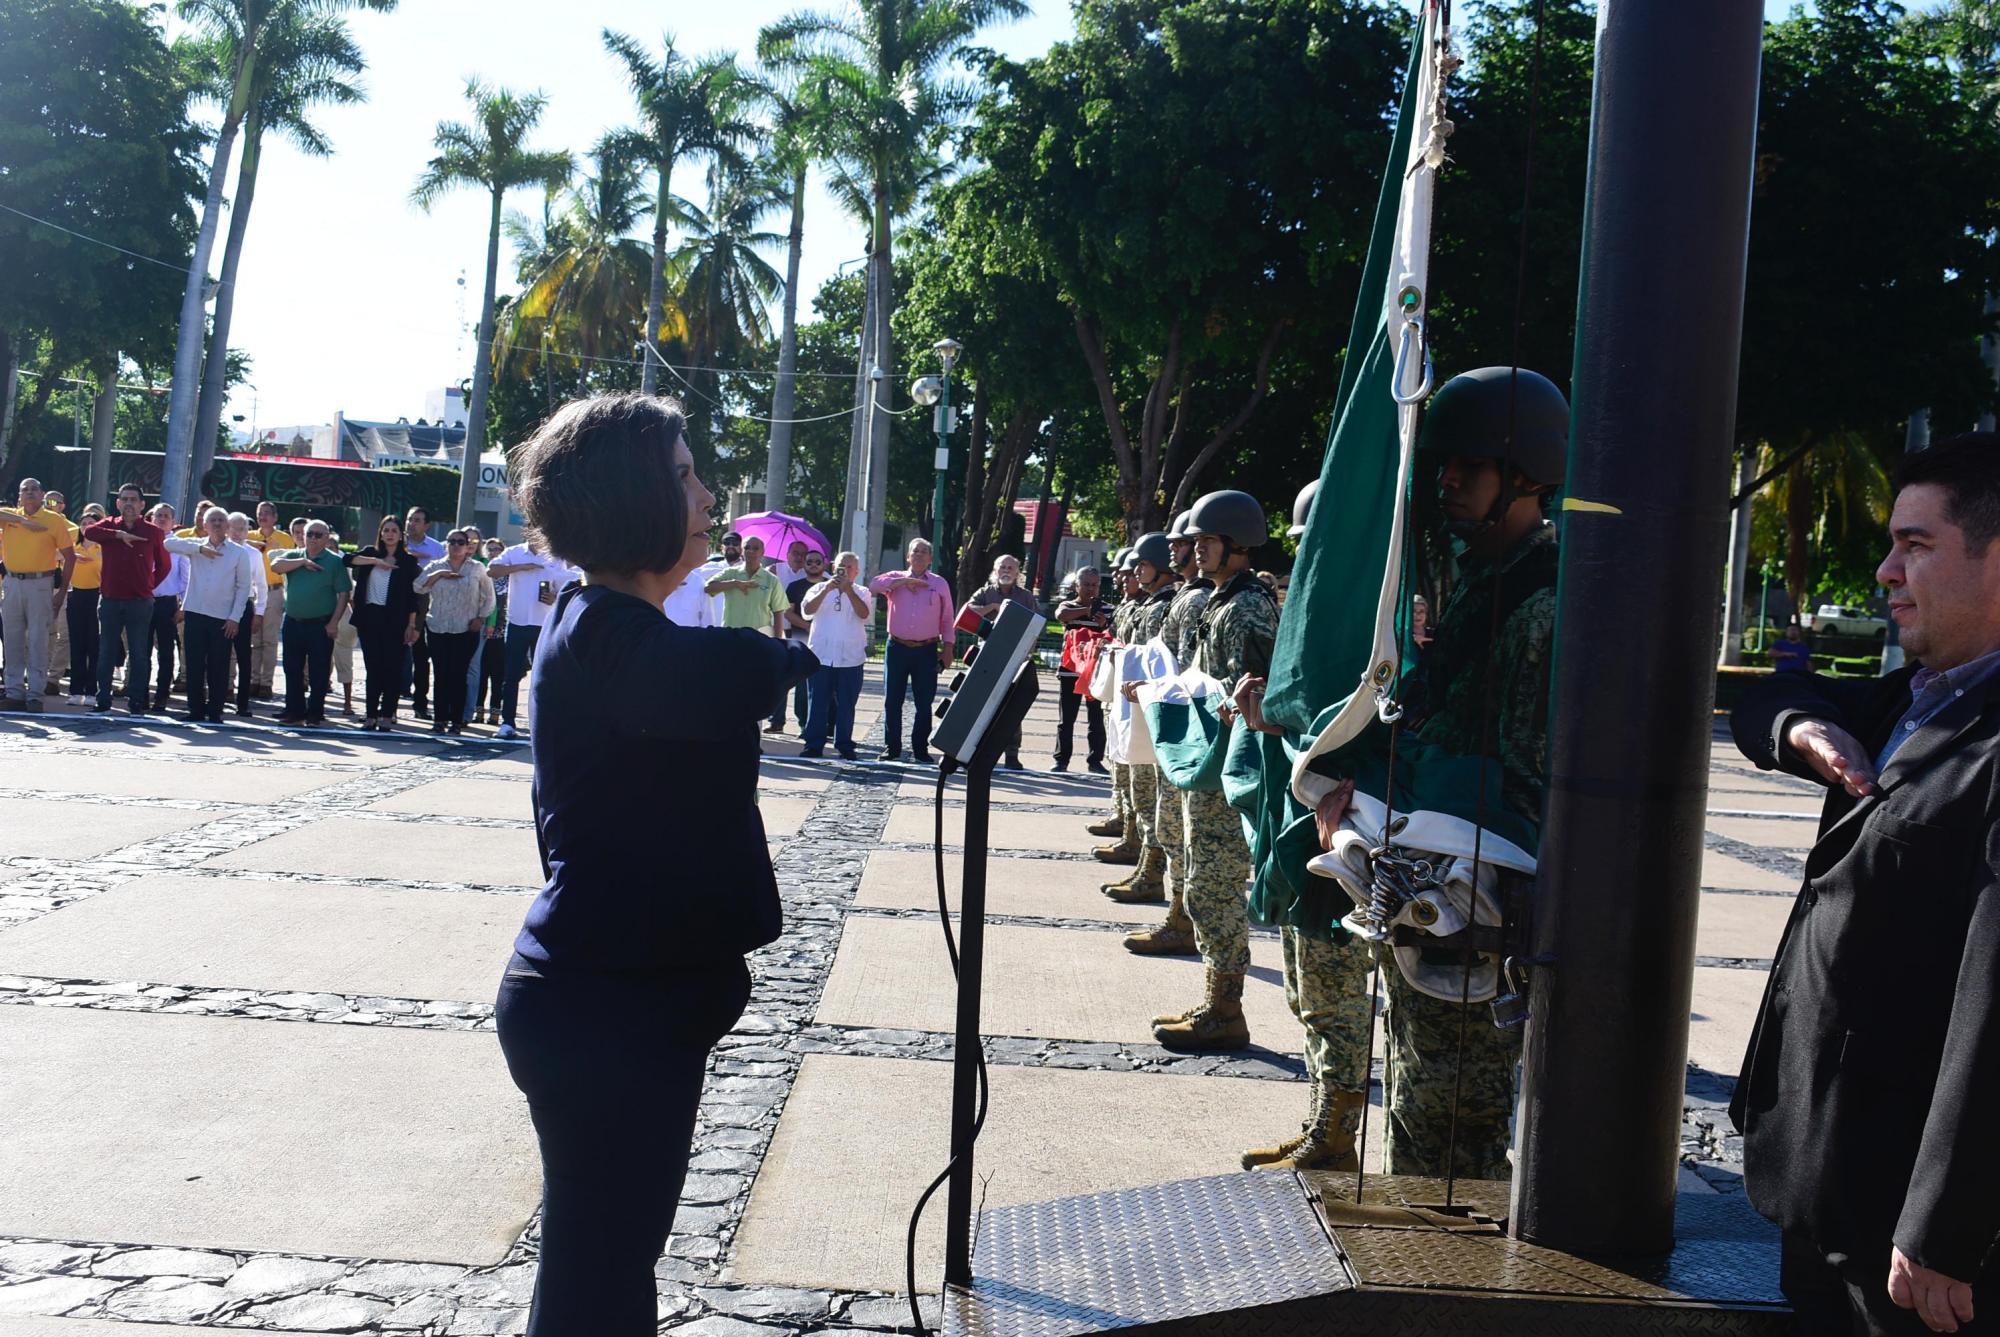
(1153, 574)
(1326, 986)
(1175, 937)
(1478, 696)
(1125, 849)
(1232, 639)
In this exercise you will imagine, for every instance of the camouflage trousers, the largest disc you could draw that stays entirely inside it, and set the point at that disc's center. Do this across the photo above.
(1170, 833)
(1423, 1070)
(1326, 986)
(1145, 783)
(1121, 791)
(1218, 864)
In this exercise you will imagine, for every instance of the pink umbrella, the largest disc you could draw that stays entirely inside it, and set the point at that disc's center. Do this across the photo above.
(780, 531)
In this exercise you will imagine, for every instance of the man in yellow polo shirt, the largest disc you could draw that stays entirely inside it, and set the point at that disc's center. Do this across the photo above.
(36, 546)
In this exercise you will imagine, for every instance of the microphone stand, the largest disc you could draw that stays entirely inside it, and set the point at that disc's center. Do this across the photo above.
(967, 1056)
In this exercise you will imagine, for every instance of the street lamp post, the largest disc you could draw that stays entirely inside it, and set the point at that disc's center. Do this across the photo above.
(937, 390)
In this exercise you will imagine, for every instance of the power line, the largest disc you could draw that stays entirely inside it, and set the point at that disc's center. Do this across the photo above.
(824, 417)
(94, 241)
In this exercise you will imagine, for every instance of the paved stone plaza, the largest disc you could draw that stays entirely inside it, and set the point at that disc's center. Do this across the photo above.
(248, 1075)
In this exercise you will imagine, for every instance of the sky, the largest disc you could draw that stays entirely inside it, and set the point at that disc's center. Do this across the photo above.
(349, 297)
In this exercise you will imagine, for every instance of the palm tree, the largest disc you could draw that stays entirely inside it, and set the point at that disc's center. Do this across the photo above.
(490, 153)
(311, 59)
(725, 286)
(243, 29)
(797, 134)
(877, 71)
(687, 109)
(587, 291)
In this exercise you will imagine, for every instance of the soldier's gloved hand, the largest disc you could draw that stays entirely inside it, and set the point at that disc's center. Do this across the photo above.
(1834, 754)
(1332, 808)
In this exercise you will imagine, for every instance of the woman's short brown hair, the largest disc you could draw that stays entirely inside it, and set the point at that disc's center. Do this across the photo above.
(598, 487)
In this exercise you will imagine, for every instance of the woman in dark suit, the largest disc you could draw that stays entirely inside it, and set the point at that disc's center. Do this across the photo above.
(630, 965)
(385, 616)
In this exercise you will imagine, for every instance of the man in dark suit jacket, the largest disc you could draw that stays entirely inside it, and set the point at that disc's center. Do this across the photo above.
(1869, 1099)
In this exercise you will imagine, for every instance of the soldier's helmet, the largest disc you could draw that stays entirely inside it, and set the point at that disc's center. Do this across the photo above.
(1129, 560)
(1118, 559)
(1154, 548)
(1470, 415)
(1301, 508)
(1178, 531)
(1233, 515)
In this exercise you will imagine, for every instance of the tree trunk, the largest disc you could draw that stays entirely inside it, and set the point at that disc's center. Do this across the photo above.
(885, 359)
(855, 504)
(10, 385)
(482, 373)
(971, 550)
(1798, 532)
(103, 425)
(656, 288)
(215, 370)
(186, 389)
(778, 470)
(23, 458)
(1739, 562)
(1041, 547)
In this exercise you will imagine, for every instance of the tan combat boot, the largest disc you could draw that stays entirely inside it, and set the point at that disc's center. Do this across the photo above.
(1146, 885)
(1261, 1156)
(1173, 938)
(1328, 1143)
(1113, 825)
(1217, 1024)
(1125, 851)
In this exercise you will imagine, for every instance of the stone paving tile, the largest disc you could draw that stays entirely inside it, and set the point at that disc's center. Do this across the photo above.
(351, 846)
(217, 933)
(1045, 888)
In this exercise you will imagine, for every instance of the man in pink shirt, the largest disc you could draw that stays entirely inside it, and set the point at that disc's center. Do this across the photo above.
(920, 644)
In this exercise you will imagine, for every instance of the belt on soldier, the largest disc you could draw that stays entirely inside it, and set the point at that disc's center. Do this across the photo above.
(930, 644)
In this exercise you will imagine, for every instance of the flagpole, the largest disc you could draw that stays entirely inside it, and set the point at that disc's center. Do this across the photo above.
(1659, 323)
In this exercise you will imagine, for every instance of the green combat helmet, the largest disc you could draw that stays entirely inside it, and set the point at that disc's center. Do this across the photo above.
(1471, 413)
(1302, 508)
(1154, 548)
(1235, 516)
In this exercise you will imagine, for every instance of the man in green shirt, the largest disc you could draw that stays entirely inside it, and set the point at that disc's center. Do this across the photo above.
(316, 593)
(752, 594)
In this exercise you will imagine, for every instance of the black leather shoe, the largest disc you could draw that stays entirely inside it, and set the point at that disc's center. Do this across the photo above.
(1097, 768)
(923, 759)
(890, 756)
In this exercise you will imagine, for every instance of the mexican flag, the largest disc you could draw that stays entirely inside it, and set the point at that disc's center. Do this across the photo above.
(1337, 639)
(1338, 657)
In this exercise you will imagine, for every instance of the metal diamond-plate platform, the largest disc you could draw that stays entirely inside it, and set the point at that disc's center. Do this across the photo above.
(1145, 1257)
(1267, 1253)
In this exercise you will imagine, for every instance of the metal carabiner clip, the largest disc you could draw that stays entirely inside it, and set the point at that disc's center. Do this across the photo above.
(1413, 333)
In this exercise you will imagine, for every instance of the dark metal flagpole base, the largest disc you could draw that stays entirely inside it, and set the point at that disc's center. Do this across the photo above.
(1268, 1252)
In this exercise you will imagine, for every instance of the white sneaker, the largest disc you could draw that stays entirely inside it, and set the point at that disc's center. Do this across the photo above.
(76, 701)
(506, 731)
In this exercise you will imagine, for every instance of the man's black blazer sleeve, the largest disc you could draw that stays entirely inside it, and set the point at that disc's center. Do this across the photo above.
(1766, 713)
(1951, 1214)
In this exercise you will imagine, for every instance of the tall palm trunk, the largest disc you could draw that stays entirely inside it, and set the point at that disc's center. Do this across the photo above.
(10, 387)
(215, 370)
(778, 471)
(103, 426)
(656, 290)
(186, 390)
(482, 374)
(855, 503)
(885, 358)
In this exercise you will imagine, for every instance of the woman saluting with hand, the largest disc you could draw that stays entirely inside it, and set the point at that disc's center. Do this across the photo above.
(630, 965)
